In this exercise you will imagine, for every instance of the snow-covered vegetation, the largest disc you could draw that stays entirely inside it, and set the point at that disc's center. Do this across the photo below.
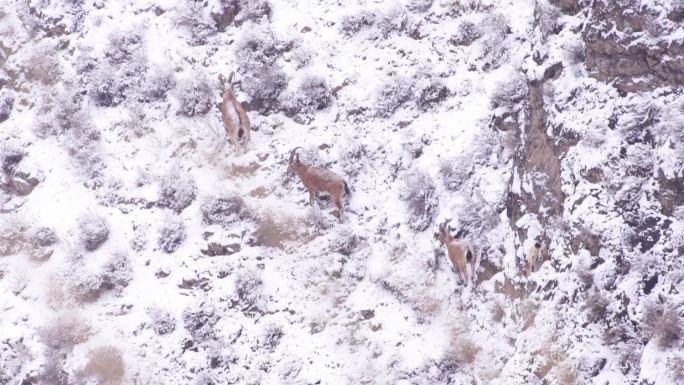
(137, 246)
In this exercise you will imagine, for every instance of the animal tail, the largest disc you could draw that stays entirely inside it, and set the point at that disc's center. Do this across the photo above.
(346, 189)
(469, 256)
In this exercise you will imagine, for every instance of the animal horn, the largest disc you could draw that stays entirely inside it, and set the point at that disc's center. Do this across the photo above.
(293, 153)
(230, 77)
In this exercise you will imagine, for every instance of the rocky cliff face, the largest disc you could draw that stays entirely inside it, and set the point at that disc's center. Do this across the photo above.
(137, 247)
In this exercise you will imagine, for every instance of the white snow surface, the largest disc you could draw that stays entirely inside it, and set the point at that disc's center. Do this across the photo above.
(390, 310)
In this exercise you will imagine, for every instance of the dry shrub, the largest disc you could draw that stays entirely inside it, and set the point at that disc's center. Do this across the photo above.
(675, 366)
(596, 306)
(106, 364)
(42, 63)
(177, 191)
(195, 93)
(224, 210)
(94, 231)
(12, 235)
(65, 332)
(396, 91)
(345, 242)
(172, 234)
(663, 324)
(668, 329)
(162, 321)
(248, 288)
(351, 24)
(419, 195)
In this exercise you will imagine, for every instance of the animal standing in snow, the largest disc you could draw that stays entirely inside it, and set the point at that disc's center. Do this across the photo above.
(535, 257)
(460, 252)
(234, 117)
(317, 180)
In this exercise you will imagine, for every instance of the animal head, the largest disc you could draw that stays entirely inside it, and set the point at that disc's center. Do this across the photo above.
(294, 161)
(226, 84)
(444, 235)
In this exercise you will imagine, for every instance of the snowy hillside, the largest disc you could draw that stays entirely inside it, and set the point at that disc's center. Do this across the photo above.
(137, 246)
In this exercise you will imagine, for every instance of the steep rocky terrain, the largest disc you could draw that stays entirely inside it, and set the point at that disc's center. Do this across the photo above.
(136, 246)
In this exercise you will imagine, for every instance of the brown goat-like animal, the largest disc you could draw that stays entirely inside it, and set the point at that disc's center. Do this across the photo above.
(459, 251)
(317, 180)
(235, 119)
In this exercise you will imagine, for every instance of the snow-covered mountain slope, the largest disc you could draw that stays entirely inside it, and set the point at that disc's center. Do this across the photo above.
(139, 248)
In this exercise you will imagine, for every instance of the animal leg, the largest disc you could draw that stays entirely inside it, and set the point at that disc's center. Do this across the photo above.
(311, 198)
(464, 274)
(339, 207)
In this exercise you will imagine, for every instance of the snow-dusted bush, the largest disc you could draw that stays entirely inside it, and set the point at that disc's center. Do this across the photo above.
(596, 306)
(248, 288)
(454, 172)
(43, 236)
(162, 321)
(84, 285)
(12, 154)
(575, 51)
(117, 273)
(395, 20)
(6, 103)
(177, 191)
(157, 84)
(430, 93)
(353, 158)
(253, 10)
(466, 34)
(106, 87)
(663, 324)
(38, 242)
(257, 47)
(396, 91)
(105, 365)
(94, 231)
(121, 72)
(345, 243)
(172, 234)
(509, 92)
(353, 23)
(419, 5)
(455, 8)
(138, 241)
(42, 63)
(60, 112)
(122, 45)
(419, 195)
(199, 321)
(224, 210)
(194, 16)
(264, 86)
(12, 234)
(547, 17)
(263, 80)
(668, 329)
(312, 94)
(195, 93)
(53, 372)
(270, 337)
(494, 49)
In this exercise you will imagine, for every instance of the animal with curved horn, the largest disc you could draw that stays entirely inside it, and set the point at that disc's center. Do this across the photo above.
(317, 180)
(235, 119)
(459, 251)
